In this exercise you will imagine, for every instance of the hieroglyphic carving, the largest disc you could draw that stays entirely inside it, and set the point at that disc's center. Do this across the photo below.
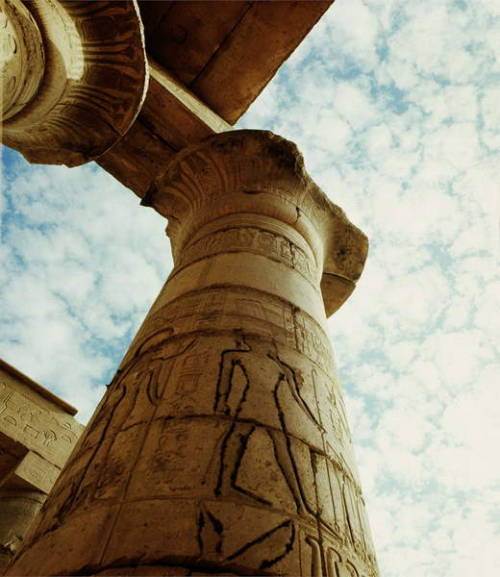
(254, 240)
(35, 426)
(225, 534)
(37, 433)
(222, 309)
(331, 408)
(254, 387)
(112, 446)
(359, 530)
(94, 81)
(312, 341)
(333, 562)
(329, 559)
(259, 402)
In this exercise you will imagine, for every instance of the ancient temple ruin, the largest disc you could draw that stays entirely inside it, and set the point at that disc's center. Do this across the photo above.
(222, 444)
(37, 434)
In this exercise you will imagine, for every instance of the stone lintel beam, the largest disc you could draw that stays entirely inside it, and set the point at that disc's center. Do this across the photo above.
(34, 420)
(262, 166)
(33, 472)
(226, 52)
(166, 93)
(171, 118)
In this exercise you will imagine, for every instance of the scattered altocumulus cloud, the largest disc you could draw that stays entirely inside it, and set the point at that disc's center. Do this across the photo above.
(395, 106)
(79, 268)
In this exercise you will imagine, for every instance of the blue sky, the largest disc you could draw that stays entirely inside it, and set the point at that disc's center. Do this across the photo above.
(396, 108)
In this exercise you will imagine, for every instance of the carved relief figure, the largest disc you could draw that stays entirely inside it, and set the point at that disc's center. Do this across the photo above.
(126, 411)
(261, 550)
(32, 422)
(249, 390)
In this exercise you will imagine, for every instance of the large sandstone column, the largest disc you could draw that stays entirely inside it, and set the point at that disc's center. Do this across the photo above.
(221, 445)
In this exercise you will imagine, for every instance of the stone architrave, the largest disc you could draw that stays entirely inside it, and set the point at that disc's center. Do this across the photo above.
(222, 444)
(37, 434)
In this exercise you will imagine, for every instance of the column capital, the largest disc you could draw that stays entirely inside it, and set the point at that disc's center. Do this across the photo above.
(257, 172)
(22, 57)
(75, 75)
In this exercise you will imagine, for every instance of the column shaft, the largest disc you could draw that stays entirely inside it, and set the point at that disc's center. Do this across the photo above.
(222, 444)
(18, 509)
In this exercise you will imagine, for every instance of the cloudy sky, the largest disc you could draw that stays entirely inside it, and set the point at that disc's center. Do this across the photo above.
(396, 107)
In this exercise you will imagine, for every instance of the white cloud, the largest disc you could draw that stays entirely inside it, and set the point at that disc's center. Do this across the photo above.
(81, 266)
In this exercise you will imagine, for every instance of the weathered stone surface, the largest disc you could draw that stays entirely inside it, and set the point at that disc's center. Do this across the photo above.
(37, 434)
(216, 50)
(75, 76)
(18, 508)
(74, 95)
(222, 445)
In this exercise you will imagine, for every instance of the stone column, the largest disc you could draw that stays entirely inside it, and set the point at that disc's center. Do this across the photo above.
(222, 445)
(18, 508)
(73, 77)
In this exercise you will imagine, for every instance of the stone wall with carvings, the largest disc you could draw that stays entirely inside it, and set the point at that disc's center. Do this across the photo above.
(37, 435)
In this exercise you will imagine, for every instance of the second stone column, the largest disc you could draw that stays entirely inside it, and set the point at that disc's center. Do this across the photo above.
(222, 444)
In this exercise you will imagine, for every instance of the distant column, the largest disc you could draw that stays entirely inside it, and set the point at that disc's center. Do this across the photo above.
(18, 509)
(222, 444)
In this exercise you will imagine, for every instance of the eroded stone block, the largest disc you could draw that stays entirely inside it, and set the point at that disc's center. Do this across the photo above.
(37, 434)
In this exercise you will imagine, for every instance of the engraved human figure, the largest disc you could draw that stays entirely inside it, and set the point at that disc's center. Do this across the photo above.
(263, 377)
(261, 551)
(133, 396)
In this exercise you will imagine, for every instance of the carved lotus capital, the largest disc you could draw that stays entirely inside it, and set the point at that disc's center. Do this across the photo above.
(74, 75)
(257, 172)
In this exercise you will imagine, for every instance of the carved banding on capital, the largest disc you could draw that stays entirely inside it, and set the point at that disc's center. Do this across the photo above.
(255, 172)
(345, 256)
(84, 73)
(22, 57)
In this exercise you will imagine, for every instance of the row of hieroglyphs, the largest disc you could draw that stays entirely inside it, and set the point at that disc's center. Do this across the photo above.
(252, 310)
(327, 561)
(252, 239)
(31, 424)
